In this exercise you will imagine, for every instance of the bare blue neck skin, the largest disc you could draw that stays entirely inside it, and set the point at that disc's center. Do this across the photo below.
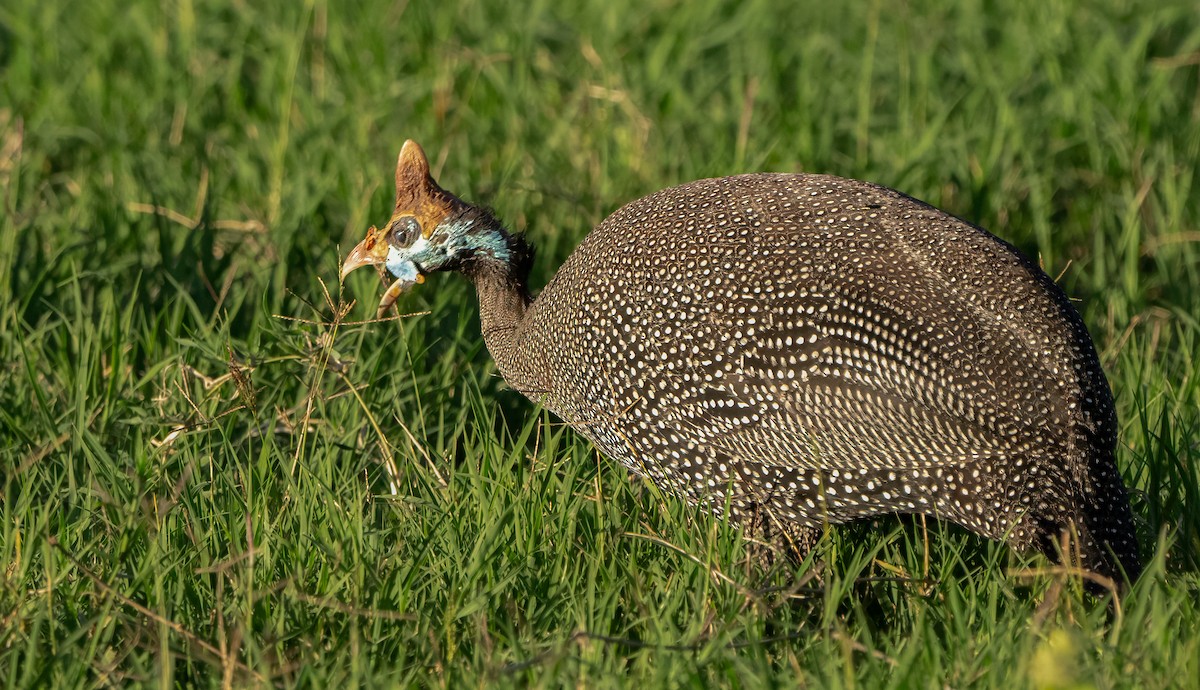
(448, 242)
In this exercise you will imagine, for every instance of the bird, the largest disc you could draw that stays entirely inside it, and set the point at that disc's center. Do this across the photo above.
(794, 350)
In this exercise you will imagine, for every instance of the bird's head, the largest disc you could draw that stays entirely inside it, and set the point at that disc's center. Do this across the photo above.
(430, 230)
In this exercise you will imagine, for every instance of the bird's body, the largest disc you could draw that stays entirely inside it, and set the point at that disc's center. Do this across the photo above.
(813, 349)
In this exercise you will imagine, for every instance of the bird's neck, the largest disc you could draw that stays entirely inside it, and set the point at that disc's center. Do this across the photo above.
(503, 289)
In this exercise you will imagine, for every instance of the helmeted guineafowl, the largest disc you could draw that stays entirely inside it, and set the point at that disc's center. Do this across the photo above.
(801, 346)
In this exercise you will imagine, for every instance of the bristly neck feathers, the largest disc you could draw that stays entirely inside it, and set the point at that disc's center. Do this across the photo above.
(499, 267)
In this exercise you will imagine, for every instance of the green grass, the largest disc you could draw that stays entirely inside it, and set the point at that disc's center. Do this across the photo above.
(163, 527)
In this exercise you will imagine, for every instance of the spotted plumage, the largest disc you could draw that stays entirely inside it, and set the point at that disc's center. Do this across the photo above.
(806, 347)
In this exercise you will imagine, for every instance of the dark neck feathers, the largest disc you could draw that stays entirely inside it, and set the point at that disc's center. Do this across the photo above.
(501, 281)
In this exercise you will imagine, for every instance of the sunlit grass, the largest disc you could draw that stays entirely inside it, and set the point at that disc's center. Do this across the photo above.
(215, 473)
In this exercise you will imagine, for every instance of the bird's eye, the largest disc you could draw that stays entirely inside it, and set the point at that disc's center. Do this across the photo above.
(404, 231)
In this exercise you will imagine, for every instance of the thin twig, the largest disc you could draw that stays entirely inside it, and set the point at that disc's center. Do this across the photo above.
(1072, 571)
(584, 635)
(334, 605)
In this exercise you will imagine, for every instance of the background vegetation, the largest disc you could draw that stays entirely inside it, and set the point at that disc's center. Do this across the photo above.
(194, 451)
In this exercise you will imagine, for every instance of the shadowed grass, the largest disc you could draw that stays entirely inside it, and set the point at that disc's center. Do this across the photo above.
(195, 440)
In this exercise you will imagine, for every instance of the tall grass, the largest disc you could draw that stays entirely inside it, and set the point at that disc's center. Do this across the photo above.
(194, 439)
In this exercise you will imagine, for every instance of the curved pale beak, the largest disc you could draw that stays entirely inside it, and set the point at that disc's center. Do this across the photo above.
(373, 251)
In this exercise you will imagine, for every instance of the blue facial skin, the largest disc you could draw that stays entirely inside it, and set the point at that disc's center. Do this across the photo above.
(400, 265)
(449, 242)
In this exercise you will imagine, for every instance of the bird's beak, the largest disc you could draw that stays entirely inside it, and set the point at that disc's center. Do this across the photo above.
(372, 251)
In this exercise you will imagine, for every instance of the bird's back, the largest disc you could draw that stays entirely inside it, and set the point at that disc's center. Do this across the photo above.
(824, 349)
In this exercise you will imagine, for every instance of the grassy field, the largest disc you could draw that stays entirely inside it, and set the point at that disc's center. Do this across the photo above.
(194, 445)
